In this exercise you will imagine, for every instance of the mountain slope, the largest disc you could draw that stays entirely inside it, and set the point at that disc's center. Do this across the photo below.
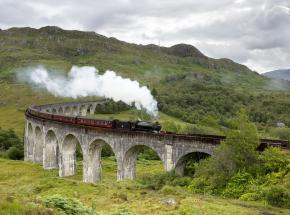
(279, 74)
(188, 84)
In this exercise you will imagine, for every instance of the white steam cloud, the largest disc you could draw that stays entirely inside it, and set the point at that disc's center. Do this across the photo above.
(86, 81)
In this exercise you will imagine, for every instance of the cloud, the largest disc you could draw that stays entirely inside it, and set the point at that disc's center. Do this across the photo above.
(252, 32)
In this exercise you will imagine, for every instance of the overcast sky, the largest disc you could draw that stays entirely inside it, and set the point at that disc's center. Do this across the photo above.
(251, 32)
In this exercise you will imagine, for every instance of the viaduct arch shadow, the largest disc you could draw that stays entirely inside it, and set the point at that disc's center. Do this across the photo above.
(130, 159)
(51, 151)
(94, 159)
(68, 155)
(184, 165)
(30, 142)
(38, 146)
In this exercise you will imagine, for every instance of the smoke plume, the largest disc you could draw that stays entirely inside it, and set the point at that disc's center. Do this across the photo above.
(86, 81)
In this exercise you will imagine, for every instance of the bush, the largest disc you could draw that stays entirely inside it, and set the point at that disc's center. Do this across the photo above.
(68, 205)
(237, 185)
(14, 153)
(200, 185)
(156, 182)
(8, 138)
(278, 195)
(273, 160)
(250, 197)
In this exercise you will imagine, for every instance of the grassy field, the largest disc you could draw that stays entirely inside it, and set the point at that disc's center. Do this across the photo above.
(23, 186)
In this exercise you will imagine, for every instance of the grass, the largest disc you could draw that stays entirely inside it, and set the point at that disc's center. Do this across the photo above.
(16, 122)
(23, 185)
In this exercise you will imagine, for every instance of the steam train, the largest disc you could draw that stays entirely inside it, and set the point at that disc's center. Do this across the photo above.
(100, 123)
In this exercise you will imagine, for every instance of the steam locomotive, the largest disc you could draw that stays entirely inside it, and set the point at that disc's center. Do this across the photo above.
(100, 123)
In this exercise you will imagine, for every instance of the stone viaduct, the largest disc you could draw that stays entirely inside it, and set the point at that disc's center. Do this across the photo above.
(53, 144)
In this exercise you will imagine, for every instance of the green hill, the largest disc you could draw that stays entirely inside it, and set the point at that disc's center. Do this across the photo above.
(195, 93)
(187, 84)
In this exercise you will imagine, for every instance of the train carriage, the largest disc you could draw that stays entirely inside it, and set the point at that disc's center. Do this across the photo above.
(66, 119)
(95, 122)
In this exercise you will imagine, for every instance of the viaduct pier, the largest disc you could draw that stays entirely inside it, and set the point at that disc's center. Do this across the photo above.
(51, 139)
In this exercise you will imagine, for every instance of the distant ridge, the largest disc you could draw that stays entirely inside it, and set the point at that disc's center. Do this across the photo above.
(283, 74)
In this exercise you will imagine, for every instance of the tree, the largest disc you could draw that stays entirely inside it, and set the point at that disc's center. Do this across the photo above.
(14, 153)
(8, 138)
(236, 153)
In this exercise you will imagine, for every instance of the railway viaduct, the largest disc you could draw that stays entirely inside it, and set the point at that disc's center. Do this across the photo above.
(53, 144)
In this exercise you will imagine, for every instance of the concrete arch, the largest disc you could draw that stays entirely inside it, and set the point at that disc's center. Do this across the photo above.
(67, 110)
(54, 111)
(51, 151)
(180, 154)
(130, 159)
(180, 164)
(98, 108)
(94, 163)
(68, 152)
(60, 110)
(90, 109)
(83, 110)
(75, 110)
(38, 145)
(30, 141)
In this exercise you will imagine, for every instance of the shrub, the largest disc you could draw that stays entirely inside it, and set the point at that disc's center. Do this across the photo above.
(68, 205)
(14, 153)
(273, 160)
(200, 185)
(168, 190)
(156, 182)
(237, 185)
(278, 195)
(8, 138)
(250, 197)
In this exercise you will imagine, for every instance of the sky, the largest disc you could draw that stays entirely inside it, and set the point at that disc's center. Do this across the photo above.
(251, 32)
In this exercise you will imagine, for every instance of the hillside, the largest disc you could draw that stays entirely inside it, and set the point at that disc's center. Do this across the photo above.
(187, 84)
(195, 94)
(283, 74)
(24, 186)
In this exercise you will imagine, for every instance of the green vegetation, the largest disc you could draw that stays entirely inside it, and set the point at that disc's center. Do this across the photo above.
(26, 187)
(187, 84)
(195, 94)
(237, 170)
(10, 145)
